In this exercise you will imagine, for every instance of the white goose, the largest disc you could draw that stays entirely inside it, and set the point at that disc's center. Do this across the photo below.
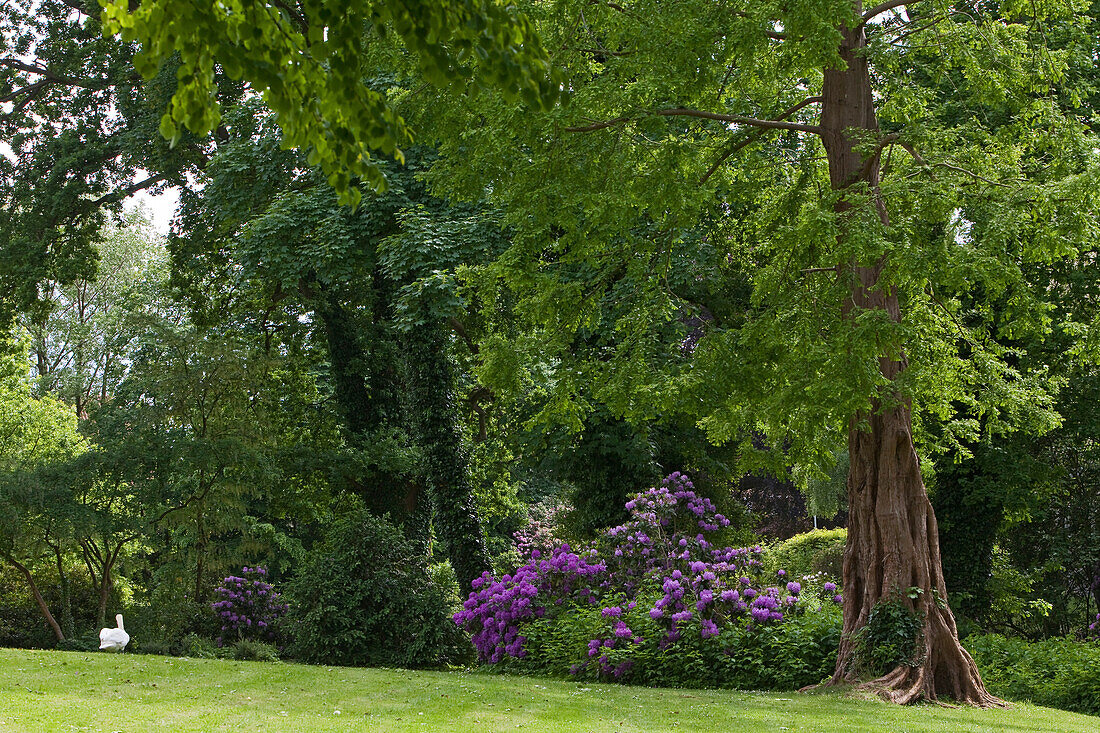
(114, 640)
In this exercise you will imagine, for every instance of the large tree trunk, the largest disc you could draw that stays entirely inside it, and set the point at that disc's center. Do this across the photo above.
(893, 544)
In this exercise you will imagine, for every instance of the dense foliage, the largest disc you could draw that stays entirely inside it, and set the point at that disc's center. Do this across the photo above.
(363, 598)
(1060, 673)
(322, 57)
(816, 551)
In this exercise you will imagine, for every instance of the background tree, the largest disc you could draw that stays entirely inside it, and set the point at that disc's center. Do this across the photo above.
(34, 433)
(82, 132)
(81, 332)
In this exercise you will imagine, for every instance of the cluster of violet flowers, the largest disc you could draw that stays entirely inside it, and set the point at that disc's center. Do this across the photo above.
(498, 608)
(249, 607)
(659, 562)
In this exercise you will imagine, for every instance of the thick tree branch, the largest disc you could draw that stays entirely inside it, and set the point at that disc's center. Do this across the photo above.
(882, 8)
(22, 66)
(739, 120)
(31, 90)
(753, 137)
(477, 396)
(51, 76)
(129, 190)
(460, 330)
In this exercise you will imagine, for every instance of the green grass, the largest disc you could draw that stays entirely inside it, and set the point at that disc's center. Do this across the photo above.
(63, 691)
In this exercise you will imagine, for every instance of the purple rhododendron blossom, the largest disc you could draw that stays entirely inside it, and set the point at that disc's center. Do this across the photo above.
(658, 569)
(249, 606)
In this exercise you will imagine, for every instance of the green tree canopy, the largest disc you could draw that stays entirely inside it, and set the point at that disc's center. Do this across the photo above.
(312, 60)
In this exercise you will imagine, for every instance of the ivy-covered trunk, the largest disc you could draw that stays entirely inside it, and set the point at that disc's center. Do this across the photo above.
(365, 385)
(457, 522)
(349, 364)
(892, 553)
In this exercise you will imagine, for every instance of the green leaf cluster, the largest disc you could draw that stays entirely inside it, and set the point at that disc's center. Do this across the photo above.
(309, 60)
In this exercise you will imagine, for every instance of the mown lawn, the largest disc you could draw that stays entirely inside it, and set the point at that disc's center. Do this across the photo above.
(63, 691)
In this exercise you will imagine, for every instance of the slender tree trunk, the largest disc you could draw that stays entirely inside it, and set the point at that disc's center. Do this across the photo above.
(67, 622)
(38, 599)
(200, 554)
(892, 543)
(104, 596)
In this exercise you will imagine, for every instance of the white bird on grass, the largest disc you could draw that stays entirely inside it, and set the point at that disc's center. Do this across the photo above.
(114, 640)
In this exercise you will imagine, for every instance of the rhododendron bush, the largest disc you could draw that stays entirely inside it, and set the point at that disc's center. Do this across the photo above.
(655, 601)
(249, 607)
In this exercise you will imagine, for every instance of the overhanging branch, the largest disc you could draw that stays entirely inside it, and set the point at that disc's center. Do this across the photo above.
(702, 114)
(129, 190)
(753, 137)
(48, 77)
(882, 8)
(739, 120)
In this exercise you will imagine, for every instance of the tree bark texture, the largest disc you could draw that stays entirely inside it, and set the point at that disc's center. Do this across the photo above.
(893, 544)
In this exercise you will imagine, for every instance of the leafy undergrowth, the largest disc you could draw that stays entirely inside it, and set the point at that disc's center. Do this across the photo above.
(55, 691)
(1061, 673)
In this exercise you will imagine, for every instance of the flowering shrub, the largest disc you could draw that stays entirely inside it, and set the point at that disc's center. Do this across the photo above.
(646, 593)
(540, 532)
(249, 608)
(1094, 628)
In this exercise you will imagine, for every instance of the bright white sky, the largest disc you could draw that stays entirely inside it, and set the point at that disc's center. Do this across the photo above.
(161, 208)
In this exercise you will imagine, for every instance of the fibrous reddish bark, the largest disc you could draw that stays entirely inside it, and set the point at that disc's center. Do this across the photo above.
(893, 544)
